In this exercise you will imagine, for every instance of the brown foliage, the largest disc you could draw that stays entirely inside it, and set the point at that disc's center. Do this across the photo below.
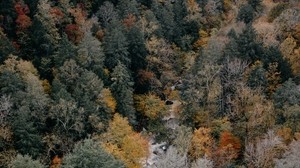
(129, 21)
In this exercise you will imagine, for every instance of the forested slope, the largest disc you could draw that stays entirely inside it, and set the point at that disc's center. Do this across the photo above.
(150, 83)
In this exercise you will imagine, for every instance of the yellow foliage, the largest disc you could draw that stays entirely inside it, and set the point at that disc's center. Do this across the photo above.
(108, 99)
(150, 105)
(121, 141)
(202, 143)
(291, 53)
(46, 85)
(117, 130)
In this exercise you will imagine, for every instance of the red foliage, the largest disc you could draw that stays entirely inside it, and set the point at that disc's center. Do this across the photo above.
(228, 150)
(21, 9)
(23, 22)
(74, 33)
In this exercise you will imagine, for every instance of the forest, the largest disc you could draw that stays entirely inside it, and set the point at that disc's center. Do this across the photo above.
(150, 83)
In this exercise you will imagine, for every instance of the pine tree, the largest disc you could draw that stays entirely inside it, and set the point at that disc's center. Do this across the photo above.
(115, 45)
(122, 90)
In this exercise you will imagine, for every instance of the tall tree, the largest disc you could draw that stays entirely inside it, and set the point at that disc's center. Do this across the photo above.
(122, 90)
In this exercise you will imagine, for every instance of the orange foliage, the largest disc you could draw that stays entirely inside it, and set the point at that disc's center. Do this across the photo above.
(286, 134)
(129, 21)
(57, 14)
(79, 16)
(56, 162)
(228, 150)
(202, 143)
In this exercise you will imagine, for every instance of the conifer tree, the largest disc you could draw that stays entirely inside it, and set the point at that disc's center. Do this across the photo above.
(122, 90)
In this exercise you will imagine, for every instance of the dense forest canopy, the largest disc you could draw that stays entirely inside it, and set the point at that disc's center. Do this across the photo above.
(150, 83)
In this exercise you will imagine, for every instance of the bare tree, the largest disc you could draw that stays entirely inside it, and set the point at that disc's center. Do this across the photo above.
(264, 151)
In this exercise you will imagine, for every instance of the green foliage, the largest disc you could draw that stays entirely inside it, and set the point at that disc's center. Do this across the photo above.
(287, 94)
(65, 50)
(246, 14)
(26, 136)
(121, 88)
(26, 162)
(90, 53)
(89, 154)
(6, 47)
(115, 45)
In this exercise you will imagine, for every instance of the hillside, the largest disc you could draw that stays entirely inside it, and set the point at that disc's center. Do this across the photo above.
(150, 83)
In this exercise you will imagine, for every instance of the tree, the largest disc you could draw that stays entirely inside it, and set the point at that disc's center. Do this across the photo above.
(65, 50)
(150, 105)
(125, 144)
(262, 153)
(89, 154)
(126, 7)
(246, 14)
(202, 143)
(228, 150)
(90, 53)
(122, 90)
(69, 118)
(26, 162)
(115, 45)
(107, 13)
(286, 95)
(6, 47)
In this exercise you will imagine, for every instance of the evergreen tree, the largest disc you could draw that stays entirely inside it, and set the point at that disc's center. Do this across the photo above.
(6, 47)
(65, 50)
(248, 47)
(126, 7)
(137, 49)
(88, 154)
(90, 53)
(246, 14)
(116, 45)
(121, 88)
(272, 55)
